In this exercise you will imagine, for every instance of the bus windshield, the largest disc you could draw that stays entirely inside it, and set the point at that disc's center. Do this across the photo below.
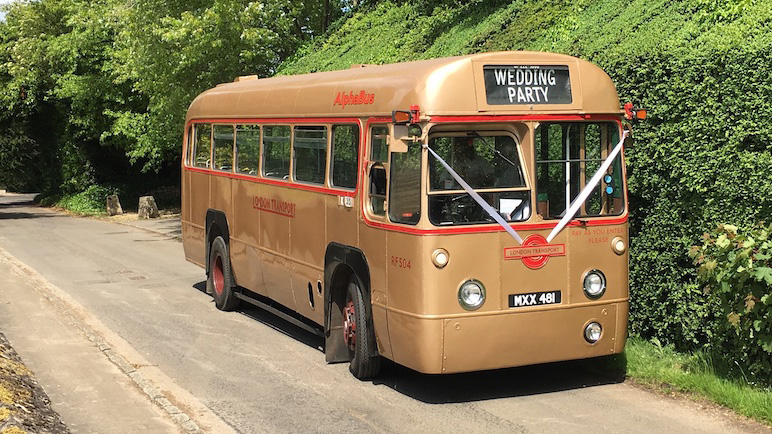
(567, 155)
(490, 164)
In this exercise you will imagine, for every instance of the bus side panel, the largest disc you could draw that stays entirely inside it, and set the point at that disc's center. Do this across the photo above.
(220, 196)
(372, 242)
(406, 270)
(407, 267)
(275, 241)
(420, 342)
(341, 222)
(307, 248)
(185, 212)
(245, 229)
(193, 230)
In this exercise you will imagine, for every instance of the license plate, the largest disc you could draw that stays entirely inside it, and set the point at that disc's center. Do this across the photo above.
(534, 299)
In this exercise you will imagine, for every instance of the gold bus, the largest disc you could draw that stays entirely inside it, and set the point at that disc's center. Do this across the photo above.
(451, 215)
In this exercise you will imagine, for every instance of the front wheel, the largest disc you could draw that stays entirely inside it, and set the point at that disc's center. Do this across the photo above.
(220, 277)
(359, 335)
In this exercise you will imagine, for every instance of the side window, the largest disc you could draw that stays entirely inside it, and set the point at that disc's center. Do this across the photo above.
(379, 152)
(189, 147)
(223, 147)
(405, 186)
(379, 147)
(310, 143)
(247, 148)
(345, 156)
(276, 151)
(203, 145)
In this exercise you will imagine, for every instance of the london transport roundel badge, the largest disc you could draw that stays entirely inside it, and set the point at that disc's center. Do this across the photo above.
(534, 252)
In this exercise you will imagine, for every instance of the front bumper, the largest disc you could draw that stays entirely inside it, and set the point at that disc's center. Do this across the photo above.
(475, 342)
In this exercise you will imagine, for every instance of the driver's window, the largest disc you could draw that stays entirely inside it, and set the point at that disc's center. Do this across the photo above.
(489, 164)
(378, 189)
(379, 152)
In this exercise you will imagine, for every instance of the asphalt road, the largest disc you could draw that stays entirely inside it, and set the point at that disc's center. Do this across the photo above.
(251, 372)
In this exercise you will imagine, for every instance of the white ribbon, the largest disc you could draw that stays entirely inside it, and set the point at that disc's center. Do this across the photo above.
(585, 193)
(480, 201)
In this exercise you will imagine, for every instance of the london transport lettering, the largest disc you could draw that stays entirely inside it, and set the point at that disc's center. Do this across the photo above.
(527, 84)
(274, 206)
(535, 251)
(343, 99)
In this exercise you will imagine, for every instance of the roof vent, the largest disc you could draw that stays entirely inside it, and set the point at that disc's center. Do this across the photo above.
(245, 78)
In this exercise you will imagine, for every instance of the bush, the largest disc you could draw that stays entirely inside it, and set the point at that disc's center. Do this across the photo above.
(90, 202)
(736, 266)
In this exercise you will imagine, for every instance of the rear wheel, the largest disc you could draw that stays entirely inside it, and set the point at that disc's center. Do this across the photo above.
(359, 335)
(220, 278)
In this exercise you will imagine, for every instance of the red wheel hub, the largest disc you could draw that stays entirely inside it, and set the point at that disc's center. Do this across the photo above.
(217, 275)
(350, 325)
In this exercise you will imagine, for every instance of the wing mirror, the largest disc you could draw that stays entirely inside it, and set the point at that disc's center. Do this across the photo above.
(404, 129)
(400, 136)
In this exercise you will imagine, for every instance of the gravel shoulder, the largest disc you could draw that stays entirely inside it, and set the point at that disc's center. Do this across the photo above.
(24, 405)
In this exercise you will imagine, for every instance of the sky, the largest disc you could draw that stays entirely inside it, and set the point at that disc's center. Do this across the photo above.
(3, 2)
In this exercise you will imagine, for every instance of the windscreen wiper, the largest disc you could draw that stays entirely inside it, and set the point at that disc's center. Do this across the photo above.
(477, 135)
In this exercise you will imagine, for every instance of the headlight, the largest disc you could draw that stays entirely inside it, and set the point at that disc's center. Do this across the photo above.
(471, 295)
(592, 332)
(440, 258)
(618, 245)
(594, 284)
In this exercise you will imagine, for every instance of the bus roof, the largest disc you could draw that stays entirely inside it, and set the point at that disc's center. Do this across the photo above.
(460, 86)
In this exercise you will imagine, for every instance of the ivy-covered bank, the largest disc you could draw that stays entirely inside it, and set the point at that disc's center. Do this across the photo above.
(703, 157)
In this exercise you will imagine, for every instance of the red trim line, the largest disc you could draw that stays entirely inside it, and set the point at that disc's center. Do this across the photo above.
(239, 121)
(479, 229)
(510, 118)
(363, 168)
(268, 181)
(275, 182)
(494, 227)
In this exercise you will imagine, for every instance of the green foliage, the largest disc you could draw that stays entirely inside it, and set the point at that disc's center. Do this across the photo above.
(17, 166)
(694, 374)
(89, 202)
(99, 89)
(736, 266)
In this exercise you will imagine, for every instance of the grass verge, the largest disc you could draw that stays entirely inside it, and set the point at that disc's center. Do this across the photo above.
(91, 202)
(666, 370)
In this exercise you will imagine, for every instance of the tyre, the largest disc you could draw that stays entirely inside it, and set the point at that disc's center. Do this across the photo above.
(358, 334)
(220, 277)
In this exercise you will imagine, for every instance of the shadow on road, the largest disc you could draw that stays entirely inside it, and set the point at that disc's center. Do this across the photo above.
(275, 322)
(503, 383)
(473, 386)
(16, 201)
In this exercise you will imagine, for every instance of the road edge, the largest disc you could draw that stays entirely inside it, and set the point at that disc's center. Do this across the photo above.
(120, 353)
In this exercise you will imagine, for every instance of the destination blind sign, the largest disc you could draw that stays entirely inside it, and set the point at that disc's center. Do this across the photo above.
(527, 84)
